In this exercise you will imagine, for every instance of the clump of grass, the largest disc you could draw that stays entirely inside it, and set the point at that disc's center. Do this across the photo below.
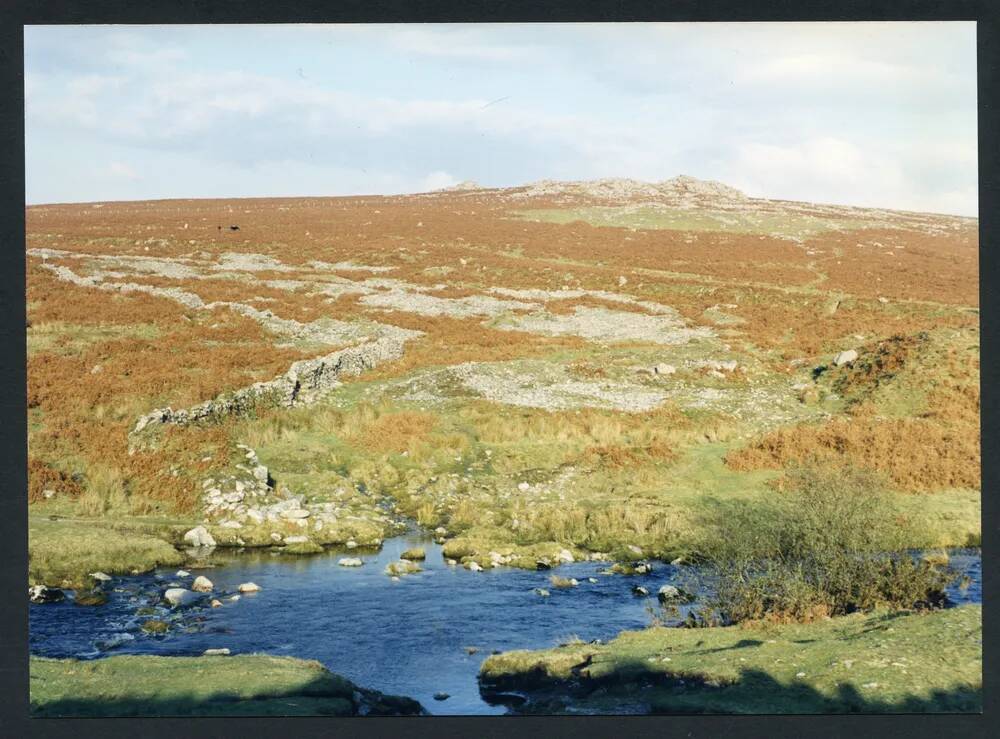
(104, 492)
(830, 544)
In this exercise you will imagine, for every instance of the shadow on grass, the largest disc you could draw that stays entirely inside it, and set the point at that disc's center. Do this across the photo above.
(320, 697)
(634, 688)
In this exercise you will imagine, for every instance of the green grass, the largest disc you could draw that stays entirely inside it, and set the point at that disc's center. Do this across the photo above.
(649, 217)
(877, 662)
(243, 685)
(70, 338)
(63, 552)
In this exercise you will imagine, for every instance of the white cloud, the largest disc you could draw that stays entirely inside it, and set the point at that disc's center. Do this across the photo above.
(869, 113)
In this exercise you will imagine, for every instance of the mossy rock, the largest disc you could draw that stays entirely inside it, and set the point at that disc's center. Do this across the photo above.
(417, 554)
(154, 626)
(91, 598)
(402, 567)
(146, 611)
(303, 547)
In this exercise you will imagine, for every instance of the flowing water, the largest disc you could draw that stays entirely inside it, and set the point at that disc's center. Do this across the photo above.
(427, 633)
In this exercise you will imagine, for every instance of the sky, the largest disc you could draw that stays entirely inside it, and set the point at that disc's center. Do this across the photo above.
(871, 114)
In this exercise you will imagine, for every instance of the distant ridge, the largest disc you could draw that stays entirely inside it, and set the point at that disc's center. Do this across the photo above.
(680, 190)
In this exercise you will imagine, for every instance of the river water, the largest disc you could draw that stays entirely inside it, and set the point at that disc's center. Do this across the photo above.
(427, 633)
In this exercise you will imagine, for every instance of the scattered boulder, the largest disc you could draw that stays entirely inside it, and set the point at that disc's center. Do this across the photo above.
(640, 591)
(296, 539)
(90, 598)
(668, 593)
(180, 596)
(402, 567)
(249, 587)
(441, 696)
(45, 594)
(202, 585)
(216, 603)
(153, 626)
(563, 582)
(523, 487)
(664, 369)
(643, 568)
(182, 573)
(416, 554)
(473, 567)
(635, 550)
(199, 537)
(542, 592)
(565, 556)
(350, 562)
(845, 357)
(223, 652)
(100, 576)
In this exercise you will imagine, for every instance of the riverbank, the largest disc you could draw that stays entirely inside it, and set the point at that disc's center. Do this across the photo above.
(245, 685)
(63, 551)
(878, 662)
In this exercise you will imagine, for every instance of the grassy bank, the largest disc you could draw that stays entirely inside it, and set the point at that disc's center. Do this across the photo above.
(246, 685)
(62, 552)
(879, 662)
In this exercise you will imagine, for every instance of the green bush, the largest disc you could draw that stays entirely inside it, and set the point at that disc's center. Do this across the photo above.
(831, 543)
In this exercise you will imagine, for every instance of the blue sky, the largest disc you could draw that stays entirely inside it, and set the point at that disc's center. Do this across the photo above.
(877, 114)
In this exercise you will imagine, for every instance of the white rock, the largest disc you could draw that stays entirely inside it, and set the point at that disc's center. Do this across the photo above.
(565, 556)
(474, 567)
(202, 584)
(199, 537)
(275, 536)
(100, 576)
(664, 369)
(845, 357)
(350, 562)
(182, 573)
(634, 549)
(668, 592)
(249, 587)
(231, 525)
(224, 652)
(296, 539)
(180, 596)
(351, 544)
(523, 487)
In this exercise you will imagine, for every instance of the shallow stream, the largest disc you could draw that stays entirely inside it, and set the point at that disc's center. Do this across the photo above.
(427, 633)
